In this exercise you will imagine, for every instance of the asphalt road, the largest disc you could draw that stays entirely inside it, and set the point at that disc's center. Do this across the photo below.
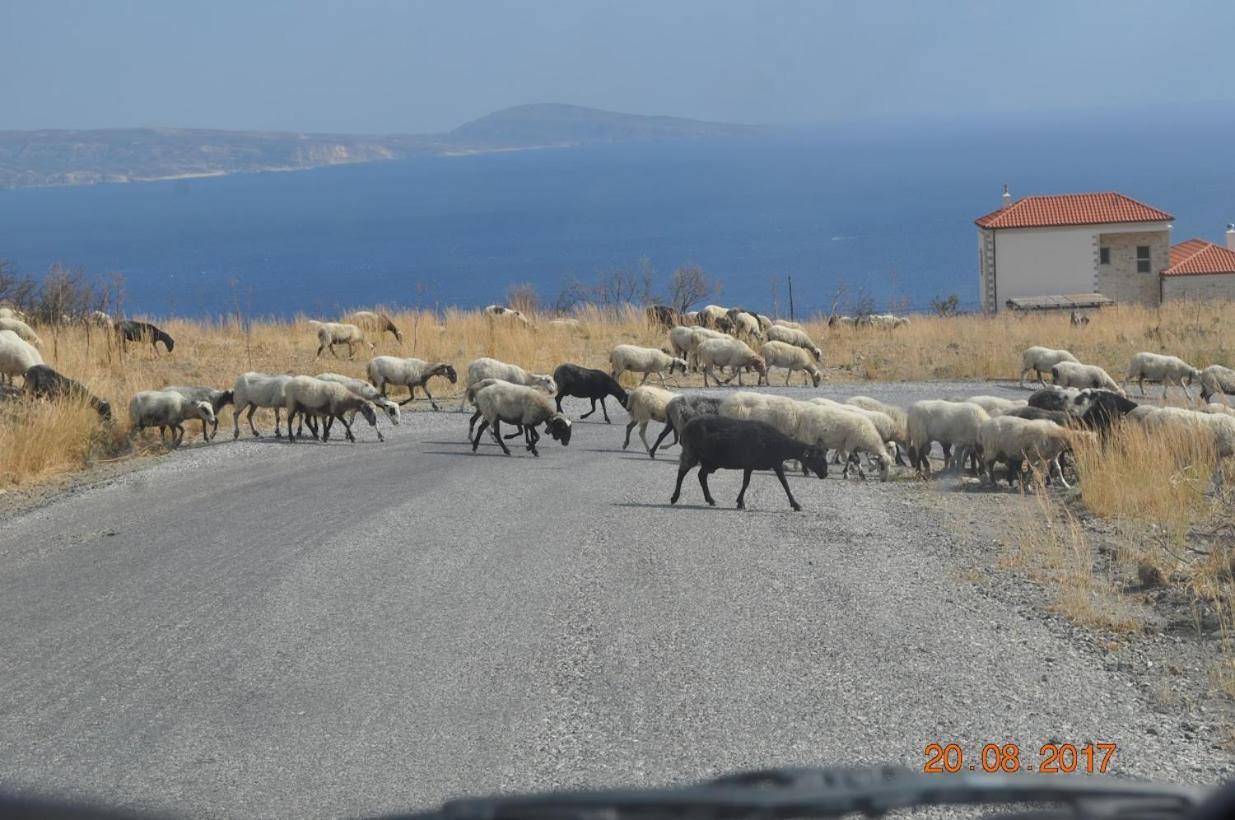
(254, 628)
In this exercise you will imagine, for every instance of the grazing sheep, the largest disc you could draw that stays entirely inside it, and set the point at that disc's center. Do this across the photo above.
(645, 404)
(486, 368)
(584, 383)
(329, 400)
(1220, 426)
(698, 335)
(367, 392)
(1041, 360)
(680, 341)
(1015, 440)
(1099, 409)
(16, 355)
(716, 443)
(1074, 374)
(505, 313)
(898, 415)
(995, 405)
(411, 373)
(790, 357)
(745, 326)
(1159, 368)
(893, 435)
(1053, 398)
(132, 331)
(372, 322)
(681, 409)
(645, 360)
(330, 334)
(167, 410)
(43, 382)
(21, 329)
(526, 407)
(253, 390)
(1218, 380)
(730, 353)
(765, 322)
(834, 321)
(663, 316)
(953, 424)
(218, 399)
(795, 337)
(786, 323)
(715, 317)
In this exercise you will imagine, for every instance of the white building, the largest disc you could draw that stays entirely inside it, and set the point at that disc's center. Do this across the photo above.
(1073, 244)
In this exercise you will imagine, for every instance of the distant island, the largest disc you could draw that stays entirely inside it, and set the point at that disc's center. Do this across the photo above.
(88, 157)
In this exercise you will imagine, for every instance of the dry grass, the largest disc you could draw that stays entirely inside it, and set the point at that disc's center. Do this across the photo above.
(38, 444)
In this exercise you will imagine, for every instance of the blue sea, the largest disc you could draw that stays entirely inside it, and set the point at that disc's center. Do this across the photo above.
(884, 213)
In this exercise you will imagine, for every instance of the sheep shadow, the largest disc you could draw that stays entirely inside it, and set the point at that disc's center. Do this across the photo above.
(720, 507)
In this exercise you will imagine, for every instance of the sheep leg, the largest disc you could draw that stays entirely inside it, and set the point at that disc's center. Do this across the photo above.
(476, 440)
(432, 403)
(319, 350)
(585, 415)
(645, 379)
(276, 423)
(1041, 377)
(204, 436)
(900, 458)
(1141, 383)
(683, 469)
(496, 432)
(780, 474)
(532, 438)
(745, 483)
(703, 482)
(472, 423)
(411, 395)
(630, 427)
(643, 431)
(346, 427)
(604, 411)
(664, 432)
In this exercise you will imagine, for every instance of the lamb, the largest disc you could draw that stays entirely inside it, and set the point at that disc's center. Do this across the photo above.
(167, 410)
(1053, 398)
(21, 329)
(715, 443)
(645, 360)
(1041, 360)
(330, 334)
(509, 314)
(1074, 374)
(996, 405)
(1159, 368)
(1014, 440)
(411, 373)
(953, 424)
(730, 353)
(367, 392)
(585, 383)
(43, 382)
(218, 399)
(16, 355)
(329, 400)
(681, 409)
(1218, 380)
(645, 404)
(795, 337)
(253, 390)
(790, 357)
(486, 368)
(373, 322)
(526, 407)
(132, 331)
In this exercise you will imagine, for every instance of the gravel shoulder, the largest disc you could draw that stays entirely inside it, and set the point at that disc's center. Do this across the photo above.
(258, 628)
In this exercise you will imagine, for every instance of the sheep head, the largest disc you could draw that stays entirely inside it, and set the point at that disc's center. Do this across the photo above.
(559, 427)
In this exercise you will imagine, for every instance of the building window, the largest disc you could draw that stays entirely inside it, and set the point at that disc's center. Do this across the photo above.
(1142, 259)
(1104, 256)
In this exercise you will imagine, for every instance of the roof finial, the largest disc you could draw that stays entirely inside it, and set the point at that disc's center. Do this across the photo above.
(1007, 197)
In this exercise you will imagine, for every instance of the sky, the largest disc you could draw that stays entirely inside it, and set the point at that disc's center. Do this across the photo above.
(369, 66)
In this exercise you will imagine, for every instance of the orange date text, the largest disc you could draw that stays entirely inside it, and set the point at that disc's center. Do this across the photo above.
(1052, 758)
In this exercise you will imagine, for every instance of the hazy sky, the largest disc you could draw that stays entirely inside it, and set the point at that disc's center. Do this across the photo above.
(423, 66)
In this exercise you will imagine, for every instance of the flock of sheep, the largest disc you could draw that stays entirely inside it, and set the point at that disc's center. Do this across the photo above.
(741, 430)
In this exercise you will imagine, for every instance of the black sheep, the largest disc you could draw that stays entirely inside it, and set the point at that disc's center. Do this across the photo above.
(585, 383)
(1102, 409)
(131, 331)
(43, 382)
(719, 442)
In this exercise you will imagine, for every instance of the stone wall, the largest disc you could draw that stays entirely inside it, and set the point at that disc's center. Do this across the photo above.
(1120, 279)
(1202, 287)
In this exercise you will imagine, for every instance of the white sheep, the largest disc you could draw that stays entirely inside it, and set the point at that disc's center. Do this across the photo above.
(1013, 439)
(374, 322)
(645, 404)
(680, 341)
(1075, 374)
(795, 337)
(218, 399)
(329, 401)
(713, 316)
(508, 314)
(888, 429)
(486, 368)
(785, 323)
(746, 326)
(253, 390)
(645, 360)
(731, 353)
(996, 405)
(365, 391)
(410, 373)
(1217, 380)
(900, 420)
(1041, 360)
(100, 318)
(1221, 409)
(9, 312)
(952, 424)
(1217, 428)
(828, 427)
(790, 357)
(526, 407)
(167, 410)
(330, 334)
(1159, 368)
(16, 355)
(21, 329)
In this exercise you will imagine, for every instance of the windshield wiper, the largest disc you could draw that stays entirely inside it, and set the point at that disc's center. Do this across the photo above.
(832, 792)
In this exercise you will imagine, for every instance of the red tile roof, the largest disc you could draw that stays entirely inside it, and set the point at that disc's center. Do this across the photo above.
(1071, 209)
(1196, 257)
